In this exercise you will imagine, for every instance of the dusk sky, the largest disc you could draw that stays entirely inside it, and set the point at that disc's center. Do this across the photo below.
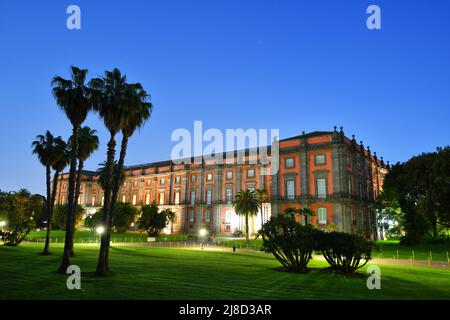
(291, 65)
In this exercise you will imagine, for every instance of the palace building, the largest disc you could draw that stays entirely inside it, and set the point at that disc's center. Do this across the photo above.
(326, 171)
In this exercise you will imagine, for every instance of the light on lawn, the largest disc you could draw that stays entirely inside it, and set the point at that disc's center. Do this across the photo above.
(100, 229)
(2, 223)
(203, 232)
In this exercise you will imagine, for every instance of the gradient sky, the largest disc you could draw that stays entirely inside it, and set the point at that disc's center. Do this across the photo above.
(292, 65)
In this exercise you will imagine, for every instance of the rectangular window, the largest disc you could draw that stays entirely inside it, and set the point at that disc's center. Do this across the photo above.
(161, 197)
(208, 196)
(207, 216)
(228, 216)
(191, 216)
(322, 188)
(322, 215)
(134, 199)
(349, 186)
(229, 195)
(147, 198)
(290, 192)
(192, 197)
(193, 178)
(177, 197)
(79, 199)
(209, 177)
(103, 200)
(289, 163)
(177, 179)
(319, 159)
(162, 181)
(135, 183)
(93, 201)
(149, 182)
(124, 198)
(229, 175)
(250, 173)
(63, 199)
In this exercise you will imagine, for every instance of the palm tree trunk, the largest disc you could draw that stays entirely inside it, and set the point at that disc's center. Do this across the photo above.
(47, 238)
(246, 229)
(115, 194)
(75, 200)
(70, 205)
(101, 265)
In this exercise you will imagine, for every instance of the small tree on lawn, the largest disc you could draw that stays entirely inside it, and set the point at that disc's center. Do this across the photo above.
(153, 221)
(94, 220)
(246, 204)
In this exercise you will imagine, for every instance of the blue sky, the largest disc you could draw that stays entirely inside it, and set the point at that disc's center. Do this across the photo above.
(292, 65)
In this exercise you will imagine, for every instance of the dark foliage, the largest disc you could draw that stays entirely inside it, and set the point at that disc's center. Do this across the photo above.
(345, 252)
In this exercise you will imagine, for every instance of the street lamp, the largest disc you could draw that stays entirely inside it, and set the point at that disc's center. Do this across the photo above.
(100, 230)
(202, 232)
(2, 224)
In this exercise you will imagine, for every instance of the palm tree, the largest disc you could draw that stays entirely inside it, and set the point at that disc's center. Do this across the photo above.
(62, 159)
(87, 143)
(291, 212)
(306, 212)
(73, 97)
(109, 95)
(101, 173)
(44, 147)
(138, 110)
(247, 204)
(262, 196)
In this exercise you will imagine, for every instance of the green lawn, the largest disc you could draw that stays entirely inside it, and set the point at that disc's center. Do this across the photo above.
(86, 236)
(158, 273)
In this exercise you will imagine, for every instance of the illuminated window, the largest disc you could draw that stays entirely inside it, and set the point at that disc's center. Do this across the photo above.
(134, 199)
(250, 173)
(322, 215)
(191, 216)
(177, 197)
(290, 189)
(93, 201)
(103, 200)
(207, 216)
(209, 177)
(149, 182)
(162, 181)
(135, 183)
(229, 175)
(321, 188)
(161, 197)
(229, 195)
(124, 198)
(177, 179)
(147, 198)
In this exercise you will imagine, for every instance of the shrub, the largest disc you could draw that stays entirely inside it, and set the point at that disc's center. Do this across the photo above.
(94, 220)
(344, 251)
(60, 216)
(290, 243)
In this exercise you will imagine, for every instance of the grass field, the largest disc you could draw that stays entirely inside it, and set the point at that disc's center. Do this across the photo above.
(86, 236)
(159, 273)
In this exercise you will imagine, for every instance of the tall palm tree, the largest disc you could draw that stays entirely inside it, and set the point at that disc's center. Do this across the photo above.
(262, 196)
(73, 97)
(246, 204)
(87, 143)
(44, 147)
(109, 95)
(101, 173)
(138, 110)
(62, 159)
(291, 212)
